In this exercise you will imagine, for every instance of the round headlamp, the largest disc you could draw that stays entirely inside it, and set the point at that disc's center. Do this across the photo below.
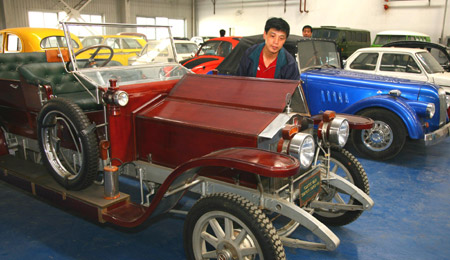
(302, 147)
(121, 98)
(431, 109)
(339, 131)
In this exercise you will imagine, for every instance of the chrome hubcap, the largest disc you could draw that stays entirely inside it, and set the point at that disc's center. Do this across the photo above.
(379, 137)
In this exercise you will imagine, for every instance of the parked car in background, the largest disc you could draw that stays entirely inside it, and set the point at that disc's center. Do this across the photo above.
(439, 51)
(347, 39)
(124, 46)
(140, 35)
(211, 54)
(28, 39)
(395, 35)
(201, 39)
(161, 51)
(401, 108)
(408, 63)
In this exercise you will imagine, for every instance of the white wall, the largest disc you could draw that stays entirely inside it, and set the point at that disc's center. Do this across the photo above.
(248, 17)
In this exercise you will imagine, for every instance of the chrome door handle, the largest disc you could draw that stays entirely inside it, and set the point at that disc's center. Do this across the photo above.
(14, 86)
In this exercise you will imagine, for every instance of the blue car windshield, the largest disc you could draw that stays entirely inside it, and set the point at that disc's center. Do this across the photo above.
(430, 63)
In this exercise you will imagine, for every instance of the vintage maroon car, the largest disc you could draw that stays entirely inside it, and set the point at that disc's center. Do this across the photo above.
(247, 145)
(211, 54)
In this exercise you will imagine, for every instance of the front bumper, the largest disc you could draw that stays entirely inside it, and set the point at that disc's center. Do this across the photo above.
(438, 135)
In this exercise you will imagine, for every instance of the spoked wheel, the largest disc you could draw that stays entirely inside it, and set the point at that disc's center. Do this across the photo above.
(344, 164)
(227, 226)
(385, 139)
(70, 152)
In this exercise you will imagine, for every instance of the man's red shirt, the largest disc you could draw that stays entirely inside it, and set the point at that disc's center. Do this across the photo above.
(266, 72)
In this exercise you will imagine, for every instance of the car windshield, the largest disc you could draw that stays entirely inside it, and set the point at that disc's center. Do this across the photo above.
(430, 64)
(99, 63)
(216, 48)
(317, 53)
(186, 47)
(381, 39)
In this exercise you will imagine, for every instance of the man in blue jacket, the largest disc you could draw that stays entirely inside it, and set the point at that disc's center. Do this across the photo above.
(269, 59)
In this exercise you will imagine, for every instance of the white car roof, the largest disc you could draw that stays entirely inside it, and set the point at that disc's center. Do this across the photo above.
(399, 32)
(391, 49)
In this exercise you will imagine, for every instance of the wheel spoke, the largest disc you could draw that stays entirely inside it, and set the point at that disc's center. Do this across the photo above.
(334, 169)
(248, 251)
(228, 228)
(210, 239)
(242, 235)
(209, 255)
(338, 198)
(218, 231)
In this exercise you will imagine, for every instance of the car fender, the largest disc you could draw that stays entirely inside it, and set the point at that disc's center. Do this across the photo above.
(394, 104)
(261, 162)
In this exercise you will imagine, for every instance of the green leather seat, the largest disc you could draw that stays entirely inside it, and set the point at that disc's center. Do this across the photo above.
(9, 62)
(63, 84)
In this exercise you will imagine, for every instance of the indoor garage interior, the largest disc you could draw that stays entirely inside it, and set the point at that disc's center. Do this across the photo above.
(411, 192)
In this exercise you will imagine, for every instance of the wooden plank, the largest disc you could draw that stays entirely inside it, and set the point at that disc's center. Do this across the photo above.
(40, 180)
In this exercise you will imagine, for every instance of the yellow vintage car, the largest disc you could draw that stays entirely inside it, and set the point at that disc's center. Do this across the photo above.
(28, 39)
(124, 46)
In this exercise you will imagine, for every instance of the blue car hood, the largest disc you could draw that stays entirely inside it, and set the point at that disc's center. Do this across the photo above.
(410, 88)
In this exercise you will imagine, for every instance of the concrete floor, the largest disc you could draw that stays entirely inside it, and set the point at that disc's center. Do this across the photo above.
(410, 220)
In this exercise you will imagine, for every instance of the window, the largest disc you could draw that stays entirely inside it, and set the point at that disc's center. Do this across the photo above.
(178, 27)
(1, 42)
(113, 43)
(130, 44)
(149, 32)
(399, 63)
(43, 19)
(13, 43)
(55, 42)
(51, 20)
(365, 61)
(430, 64)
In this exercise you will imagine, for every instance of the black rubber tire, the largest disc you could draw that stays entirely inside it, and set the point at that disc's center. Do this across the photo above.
(255, 221)
(357, 176)
(398, 134)
(71, 116)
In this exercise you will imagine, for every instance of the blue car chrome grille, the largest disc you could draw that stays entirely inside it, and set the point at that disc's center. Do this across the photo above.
(442, 107)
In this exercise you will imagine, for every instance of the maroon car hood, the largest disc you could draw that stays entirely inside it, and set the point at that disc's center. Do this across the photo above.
(205, 113)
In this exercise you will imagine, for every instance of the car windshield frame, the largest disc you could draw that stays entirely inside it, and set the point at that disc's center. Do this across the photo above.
(317, 53)
(429, 63)
(130, 74)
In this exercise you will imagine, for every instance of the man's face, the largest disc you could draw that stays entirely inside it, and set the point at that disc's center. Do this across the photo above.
(307, 32)
(274, 40)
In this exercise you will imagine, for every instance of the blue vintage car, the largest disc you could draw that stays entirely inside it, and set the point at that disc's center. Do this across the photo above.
(400, 108)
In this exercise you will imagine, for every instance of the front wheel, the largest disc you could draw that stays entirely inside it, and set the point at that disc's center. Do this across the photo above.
(385, 139)
(344, 164)
(228, 226)
(68, 148)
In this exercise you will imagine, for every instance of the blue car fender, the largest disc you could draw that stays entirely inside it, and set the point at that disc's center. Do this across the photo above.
(396, 105)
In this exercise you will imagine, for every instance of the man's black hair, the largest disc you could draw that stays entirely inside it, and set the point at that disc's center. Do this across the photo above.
(278, 24)
(222, 32)
(306, 27)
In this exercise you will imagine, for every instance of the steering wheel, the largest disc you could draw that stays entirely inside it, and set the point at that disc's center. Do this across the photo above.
(91, 61)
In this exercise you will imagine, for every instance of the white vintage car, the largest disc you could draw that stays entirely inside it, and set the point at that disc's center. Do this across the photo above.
(408, 63)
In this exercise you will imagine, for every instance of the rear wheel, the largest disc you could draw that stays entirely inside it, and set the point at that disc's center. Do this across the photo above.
(68, 148)
(344, 164)
(228, 226)
(385, 139)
